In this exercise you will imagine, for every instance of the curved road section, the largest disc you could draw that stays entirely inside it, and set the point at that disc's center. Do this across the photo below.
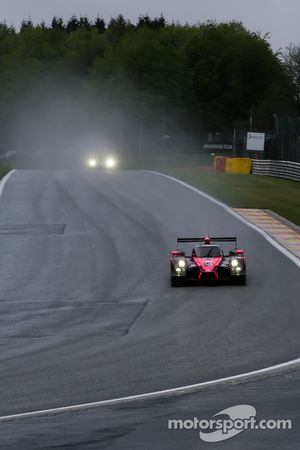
(87, 312)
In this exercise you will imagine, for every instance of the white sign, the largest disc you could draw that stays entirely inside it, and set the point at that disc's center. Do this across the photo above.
(256, 141)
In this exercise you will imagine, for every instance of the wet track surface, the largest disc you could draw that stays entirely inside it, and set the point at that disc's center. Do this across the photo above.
(87, 312)
(144, 425)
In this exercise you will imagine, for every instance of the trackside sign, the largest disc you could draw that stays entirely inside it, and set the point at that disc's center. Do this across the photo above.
(256, 141)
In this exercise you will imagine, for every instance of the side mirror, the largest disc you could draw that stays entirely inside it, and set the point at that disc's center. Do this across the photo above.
(236, 252)
(177, 253)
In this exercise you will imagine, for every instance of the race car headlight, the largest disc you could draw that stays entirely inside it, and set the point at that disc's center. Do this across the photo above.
(182, 263)
(110, 163)
(234, 263)
(236, 266)
(92, 162)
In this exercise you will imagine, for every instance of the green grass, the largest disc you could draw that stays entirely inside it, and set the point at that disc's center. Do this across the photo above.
(3, 170)
(245, 191)
(175, 159)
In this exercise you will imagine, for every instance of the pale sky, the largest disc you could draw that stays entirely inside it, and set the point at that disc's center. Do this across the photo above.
(281, 18)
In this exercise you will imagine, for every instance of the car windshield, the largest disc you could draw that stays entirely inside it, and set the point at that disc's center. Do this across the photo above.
(208, 251)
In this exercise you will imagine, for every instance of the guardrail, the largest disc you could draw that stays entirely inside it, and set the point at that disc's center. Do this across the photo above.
(280, 169)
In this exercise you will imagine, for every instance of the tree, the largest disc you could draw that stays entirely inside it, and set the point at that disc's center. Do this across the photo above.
(84, 23)
(72, 24)
(117, 28)
(231, 70)
(26, 24)
(154, 24)
(207, 76)
(57, 23)
(100, 25)
(291, 59)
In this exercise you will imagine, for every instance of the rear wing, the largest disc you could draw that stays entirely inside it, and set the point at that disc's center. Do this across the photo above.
(211, 239)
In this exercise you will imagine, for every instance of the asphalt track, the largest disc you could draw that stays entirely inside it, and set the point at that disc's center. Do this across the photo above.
(87, 313)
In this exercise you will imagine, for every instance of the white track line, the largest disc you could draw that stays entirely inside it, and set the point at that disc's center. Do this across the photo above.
(244, 377)
(4, 180)
(269, 238)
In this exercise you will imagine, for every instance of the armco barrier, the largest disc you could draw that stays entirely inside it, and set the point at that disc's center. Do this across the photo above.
(280, 169)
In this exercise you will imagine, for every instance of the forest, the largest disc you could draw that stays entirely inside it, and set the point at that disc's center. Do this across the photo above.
(130, 78)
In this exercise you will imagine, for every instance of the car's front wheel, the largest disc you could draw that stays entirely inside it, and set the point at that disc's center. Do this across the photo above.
(176, 281)
(241, 281)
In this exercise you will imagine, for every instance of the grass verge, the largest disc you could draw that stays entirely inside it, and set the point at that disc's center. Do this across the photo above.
(4, 170)
(245, 191)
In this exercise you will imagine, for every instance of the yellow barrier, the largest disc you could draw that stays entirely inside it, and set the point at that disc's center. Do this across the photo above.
(238, 165)
(228, 165)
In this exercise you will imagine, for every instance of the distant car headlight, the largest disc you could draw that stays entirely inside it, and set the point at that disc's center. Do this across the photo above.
(92, 162)
(234, 263)
(238, 269)
(181, 263)
(110, 163)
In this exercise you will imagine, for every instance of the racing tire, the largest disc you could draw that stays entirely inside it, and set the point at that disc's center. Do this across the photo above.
(241, 281)
(176, 282)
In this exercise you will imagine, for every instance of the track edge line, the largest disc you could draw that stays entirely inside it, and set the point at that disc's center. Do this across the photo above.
(227, 208)
(183, 390)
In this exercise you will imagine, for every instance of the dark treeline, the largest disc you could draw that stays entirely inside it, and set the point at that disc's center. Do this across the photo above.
(160, 75)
